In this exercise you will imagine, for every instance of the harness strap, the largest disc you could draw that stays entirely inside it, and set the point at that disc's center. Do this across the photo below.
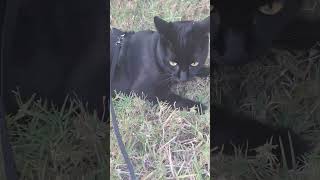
(114, 60)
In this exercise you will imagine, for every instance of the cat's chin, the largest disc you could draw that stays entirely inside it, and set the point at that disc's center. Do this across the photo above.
(178, 80)
(181, 81)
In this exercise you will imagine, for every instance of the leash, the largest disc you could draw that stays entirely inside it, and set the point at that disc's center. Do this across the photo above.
(8, 24)
(114, 60)
(9, 163)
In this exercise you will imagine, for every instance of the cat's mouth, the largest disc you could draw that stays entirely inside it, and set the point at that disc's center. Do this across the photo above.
(175, 79)
(181, 79)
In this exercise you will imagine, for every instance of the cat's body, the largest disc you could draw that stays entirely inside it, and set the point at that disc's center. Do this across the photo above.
(131, 73)
(230, 130)
(241, 33)
(57, 48)
(50, 48)
(140, 69)
(151, 61)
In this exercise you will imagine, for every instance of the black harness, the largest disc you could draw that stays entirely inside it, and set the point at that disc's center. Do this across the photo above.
(115, 58)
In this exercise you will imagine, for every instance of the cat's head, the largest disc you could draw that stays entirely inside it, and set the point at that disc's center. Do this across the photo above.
(185, 44)
(245, 29)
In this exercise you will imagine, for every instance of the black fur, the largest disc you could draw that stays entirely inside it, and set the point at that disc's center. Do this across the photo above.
(240, 34)
(51, 48)
(243, 33)
(143, 65)
(58, 48)
(231, 129)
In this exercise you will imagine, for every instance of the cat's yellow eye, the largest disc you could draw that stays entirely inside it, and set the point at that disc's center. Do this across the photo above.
(195, 64)
(271, 9)
(172, 63)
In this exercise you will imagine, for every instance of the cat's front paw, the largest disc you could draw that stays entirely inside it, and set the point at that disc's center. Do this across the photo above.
(192, 106)
(179, 102)
(201, 108)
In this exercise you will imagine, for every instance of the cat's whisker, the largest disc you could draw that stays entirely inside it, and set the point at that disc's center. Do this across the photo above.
(166, 80)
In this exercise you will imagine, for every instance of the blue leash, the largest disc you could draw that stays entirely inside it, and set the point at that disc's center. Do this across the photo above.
(114, 60)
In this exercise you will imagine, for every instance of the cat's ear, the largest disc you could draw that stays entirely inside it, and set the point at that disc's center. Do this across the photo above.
(162, 26)
(204, 25)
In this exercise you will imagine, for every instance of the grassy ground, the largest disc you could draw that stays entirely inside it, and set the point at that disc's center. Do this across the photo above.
(163, 143)
(65, 143)
(2, 173)
(282, 86)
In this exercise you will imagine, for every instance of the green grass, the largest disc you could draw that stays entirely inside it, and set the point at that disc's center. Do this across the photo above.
(2, 173)
(58, 143)
(162, 142)
(138, 14)
(283, 87)
(165, 143)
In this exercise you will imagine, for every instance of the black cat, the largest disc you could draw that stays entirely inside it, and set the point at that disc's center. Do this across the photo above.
(149, 62)
(243, 30)
(57, 48)
(50, 48)
(246, 29)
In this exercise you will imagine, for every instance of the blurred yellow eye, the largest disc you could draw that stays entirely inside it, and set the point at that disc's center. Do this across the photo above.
(172, 63)
(195, 64)
(271, 9)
